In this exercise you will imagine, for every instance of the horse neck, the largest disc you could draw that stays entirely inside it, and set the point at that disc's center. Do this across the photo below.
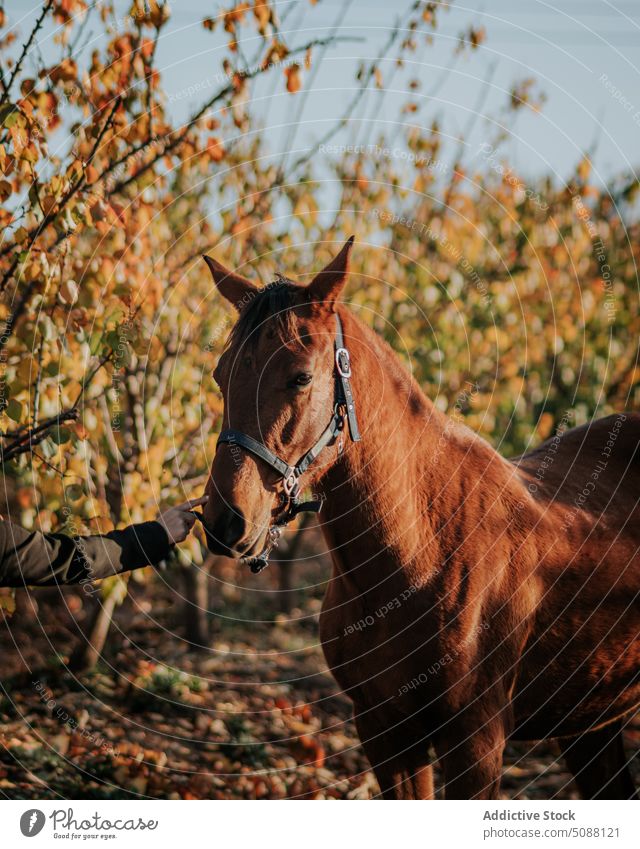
(376, 518)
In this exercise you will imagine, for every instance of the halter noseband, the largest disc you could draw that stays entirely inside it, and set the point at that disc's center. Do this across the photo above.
(290, 475)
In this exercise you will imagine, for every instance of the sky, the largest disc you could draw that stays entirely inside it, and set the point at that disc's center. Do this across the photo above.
(583, 55)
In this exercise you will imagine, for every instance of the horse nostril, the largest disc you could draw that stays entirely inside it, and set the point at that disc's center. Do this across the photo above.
(230, 527)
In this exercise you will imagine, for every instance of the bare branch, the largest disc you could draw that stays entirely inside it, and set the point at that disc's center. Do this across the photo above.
(23, 441)
(108, 432)
(280, 180)
(224, 92)
(137, 411)
(51, 217)
(25, 50)
(475, 114)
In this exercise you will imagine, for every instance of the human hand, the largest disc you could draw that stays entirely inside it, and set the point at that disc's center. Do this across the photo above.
(178, 521)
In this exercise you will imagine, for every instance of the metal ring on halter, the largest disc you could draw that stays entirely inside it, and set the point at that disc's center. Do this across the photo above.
(343, 362)
(290, 484)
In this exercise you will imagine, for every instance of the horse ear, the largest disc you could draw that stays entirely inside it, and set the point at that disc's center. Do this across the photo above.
(234, 287)
(327, 285)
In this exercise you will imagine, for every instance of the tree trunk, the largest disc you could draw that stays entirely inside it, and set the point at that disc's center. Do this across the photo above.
(88, 652)
(287, 596)
(196, 608)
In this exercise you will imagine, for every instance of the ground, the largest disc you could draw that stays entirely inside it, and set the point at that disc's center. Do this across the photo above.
(256, 715)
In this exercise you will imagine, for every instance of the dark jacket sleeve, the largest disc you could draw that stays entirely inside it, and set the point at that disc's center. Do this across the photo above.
(37, 559)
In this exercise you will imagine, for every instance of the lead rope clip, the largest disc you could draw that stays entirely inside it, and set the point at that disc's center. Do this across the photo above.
(257, 564)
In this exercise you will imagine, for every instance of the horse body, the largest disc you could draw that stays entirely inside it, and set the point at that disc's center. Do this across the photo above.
(584, 646)
(513, 585)
(472, 598)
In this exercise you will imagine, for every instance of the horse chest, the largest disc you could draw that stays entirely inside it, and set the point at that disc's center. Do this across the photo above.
(374, 653)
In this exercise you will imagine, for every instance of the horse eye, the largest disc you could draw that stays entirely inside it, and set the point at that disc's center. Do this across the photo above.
(302, 379)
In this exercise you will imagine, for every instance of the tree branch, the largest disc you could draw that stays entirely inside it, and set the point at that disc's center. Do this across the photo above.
(24, 440)
(51, 217)
(25, 51)
(224, 92)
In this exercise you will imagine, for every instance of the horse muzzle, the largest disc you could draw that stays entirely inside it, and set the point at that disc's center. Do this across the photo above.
(227, 535)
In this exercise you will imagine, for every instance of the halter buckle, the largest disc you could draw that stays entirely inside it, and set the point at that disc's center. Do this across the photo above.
(343, 362)
(290, 484)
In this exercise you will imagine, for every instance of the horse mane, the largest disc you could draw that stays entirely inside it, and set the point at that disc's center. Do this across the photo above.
(270, 305)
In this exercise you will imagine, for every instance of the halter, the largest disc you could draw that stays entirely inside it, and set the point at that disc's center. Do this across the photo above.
(344, 404)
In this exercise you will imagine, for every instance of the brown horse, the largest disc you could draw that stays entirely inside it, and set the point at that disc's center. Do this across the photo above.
(473, 599)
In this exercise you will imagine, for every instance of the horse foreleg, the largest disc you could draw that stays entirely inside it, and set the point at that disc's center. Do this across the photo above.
(599, 764)
(402, 770)
(471, 757)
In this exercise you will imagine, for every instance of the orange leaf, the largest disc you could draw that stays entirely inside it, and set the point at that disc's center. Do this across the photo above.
(80, 430)
(294, 82)
(215, 149)
(91, 174)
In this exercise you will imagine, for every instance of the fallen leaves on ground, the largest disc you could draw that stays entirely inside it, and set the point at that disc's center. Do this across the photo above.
(257, 716)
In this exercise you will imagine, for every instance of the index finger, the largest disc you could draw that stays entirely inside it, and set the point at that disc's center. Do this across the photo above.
(193, 502)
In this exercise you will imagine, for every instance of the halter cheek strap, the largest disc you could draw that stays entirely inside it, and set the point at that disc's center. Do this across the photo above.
(344, 403)
(343, 369)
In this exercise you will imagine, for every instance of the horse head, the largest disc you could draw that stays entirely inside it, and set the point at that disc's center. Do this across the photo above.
(284, 377)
